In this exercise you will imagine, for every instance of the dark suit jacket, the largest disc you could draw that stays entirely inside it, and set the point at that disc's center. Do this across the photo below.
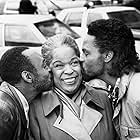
(13, 124)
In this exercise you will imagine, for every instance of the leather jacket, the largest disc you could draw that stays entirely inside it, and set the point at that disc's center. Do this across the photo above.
(13, 125)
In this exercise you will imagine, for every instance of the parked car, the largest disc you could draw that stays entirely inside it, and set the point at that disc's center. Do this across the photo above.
(44, 6)
(79, 18)
(2, 5)
(30, 30)
(132, 3)
(73, 17)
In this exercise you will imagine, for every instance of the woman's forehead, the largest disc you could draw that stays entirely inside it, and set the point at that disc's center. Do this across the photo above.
(64, 54)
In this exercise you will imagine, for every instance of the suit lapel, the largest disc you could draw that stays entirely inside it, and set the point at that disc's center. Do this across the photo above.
(89, 117)
(73, 126)
(7, 89)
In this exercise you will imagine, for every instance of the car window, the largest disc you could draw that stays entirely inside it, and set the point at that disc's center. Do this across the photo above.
(93, 17)
(74, 19)
(1, 30)
(2, 4)
(20, 35)
(131, 18)
(66, 16)
(52, 27)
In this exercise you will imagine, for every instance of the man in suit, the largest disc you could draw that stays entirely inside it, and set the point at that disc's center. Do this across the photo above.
(24, 76)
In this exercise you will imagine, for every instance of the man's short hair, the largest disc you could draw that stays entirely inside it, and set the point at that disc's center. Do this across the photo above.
(12, 63)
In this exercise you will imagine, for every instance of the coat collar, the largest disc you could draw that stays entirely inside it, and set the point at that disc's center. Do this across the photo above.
(5, 86)
(50, 100)
(93, 95)
(123, 87)
(79, 129)
(124, 84)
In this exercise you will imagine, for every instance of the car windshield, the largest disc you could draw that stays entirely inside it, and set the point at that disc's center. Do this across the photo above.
(52, 27)
(74, 19)
(131, 18)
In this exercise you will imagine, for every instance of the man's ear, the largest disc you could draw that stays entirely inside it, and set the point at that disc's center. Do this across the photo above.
(27, 76)
(108, 56)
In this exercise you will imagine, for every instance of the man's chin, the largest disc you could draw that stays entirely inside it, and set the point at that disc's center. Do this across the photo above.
(86, 77)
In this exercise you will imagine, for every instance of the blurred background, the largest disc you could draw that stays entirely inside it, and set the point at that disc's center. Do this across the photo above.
(30, 22)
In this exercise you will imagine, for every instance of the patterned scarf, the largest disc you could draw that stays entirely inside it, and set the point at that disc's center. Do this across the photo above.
(73, 104)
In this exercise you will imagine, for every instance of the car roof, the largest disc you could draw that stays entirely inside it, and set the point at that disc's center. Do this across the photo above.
(112, 8)
(75, 9)
(24, 18)
(104, 8)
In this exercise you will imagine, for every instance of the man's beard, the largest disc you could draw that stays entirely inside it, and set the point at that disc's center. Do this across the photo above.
(85, 76)
(42, 85)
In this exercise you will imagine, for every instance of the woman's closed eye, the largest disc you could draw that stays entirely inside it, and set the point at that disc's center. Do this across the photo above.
(75, 62)
(58, 65)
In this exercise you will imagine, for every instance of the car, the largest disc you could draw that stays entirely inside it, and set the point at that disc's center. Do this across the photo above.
(44, 6)
(73, 17)
(30, 30)
(2, 5)
(79, 18)
(93, 3)
(132, 3)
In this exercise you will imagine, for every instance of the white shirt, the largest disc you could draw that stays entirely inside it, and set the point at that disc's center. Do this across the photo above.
(24, 103)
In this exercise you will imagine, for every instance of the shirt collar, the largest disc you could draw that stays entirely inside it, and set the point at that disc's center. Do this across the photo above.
(22, 99)
(24, 103)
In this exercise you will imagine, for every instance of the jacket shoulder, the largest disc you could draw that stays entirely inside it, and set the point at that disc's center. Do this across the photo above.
(101, 93)
(7, 106)
(134, 87)
(8, 116)
(100, 98)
